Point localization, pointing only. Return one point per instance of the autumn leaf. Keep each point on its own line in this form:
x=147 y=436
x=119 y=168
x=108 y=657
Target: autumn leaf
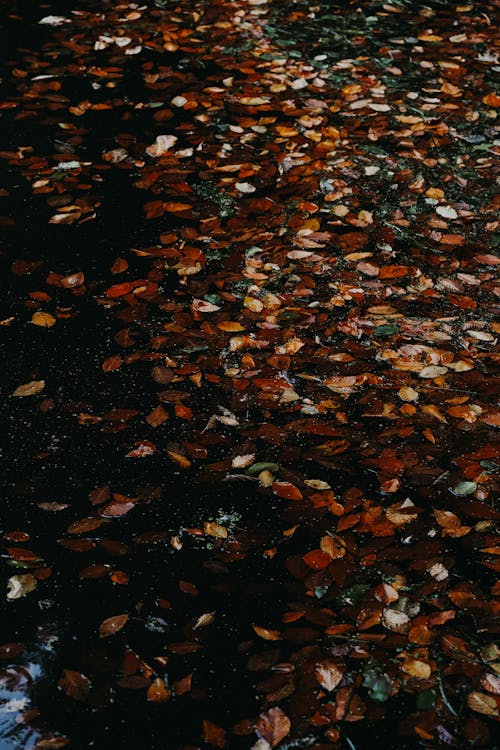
x=85 y=525
x=21 y=585
x=42 y=319
x=328 y=675
x=287 y=491
x=266 y=634
x=157 y=691
x=162 y=145
x=273 y=726
x=30 y=389
x=112 y=625
x=213 y=734
x=482 y=703
x=75 y=684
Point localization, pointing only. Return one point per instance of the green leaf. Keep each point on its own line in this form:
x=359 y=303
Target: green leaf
x=464 y=488
x=262 y=466
x=385 y=330
x=213 y=298
x=426 y=700
x=379 y=685
x=353 y=594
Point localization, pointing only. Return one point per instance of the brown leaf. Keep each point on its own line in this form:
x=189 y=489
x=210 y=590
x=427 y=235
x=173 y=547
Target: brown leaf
x=273 y=726
x=73 y=280
x=85 y=525
x=213 y=734
x=482 y=703
x=75 y=684
x=52 y=743
x=116 y=510
x=20 y=585
x=30 y=389
x=112 y=625
x=11 y=650
x=332 y=546
x=157 y=416
x=113 y=363
x=328 y=674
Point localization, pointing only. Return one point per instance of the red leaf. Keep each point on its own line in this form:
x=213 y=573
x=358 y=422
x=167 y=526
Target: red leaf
x=287 y=491
x=317 y=559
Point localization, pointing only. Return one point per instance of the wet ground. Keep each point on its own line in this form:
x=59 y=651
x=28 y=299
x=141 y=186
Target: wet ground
x=247 y=323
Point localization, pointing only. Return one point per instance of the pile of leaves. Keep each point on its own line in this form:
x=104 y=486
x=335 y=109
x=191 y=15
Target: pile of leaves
x=250 y=251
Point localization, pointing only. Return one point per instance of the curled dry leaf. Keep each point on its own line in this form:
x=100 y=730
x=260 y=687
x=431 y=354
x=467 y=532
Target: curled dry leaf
x=20 y=585
x=266 y=634
x=394 y=620
x=215 y=529
x=43 y=319
x=73 y=280
x=162 y=145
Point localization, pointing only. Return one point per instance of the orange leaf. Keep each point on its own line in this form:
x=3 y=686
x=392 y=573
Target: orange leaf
x=317 y=559
x=157 y=692
x=267 y=635
x=287 y=491
x=393 y=272
x=230 y=326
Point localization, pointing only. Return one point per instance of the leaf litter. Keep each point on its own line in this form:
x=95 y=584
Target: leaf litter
x=259 y=343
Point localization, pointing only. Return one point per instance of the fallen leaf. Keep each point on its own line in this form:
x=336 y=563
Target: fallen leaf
x=30 y=389
x=112 y=625
x=328 y=675
x=75 y=684
x=482 y=703
x=21 y=585
x=273 y=726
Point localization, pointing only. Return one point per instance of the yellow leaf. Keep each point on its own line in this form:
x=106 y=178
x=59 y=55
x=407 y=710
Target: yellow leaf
x=255 y=305
x=417 y=668
x=30 y=389
x=43 y=319
x=482 y=703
